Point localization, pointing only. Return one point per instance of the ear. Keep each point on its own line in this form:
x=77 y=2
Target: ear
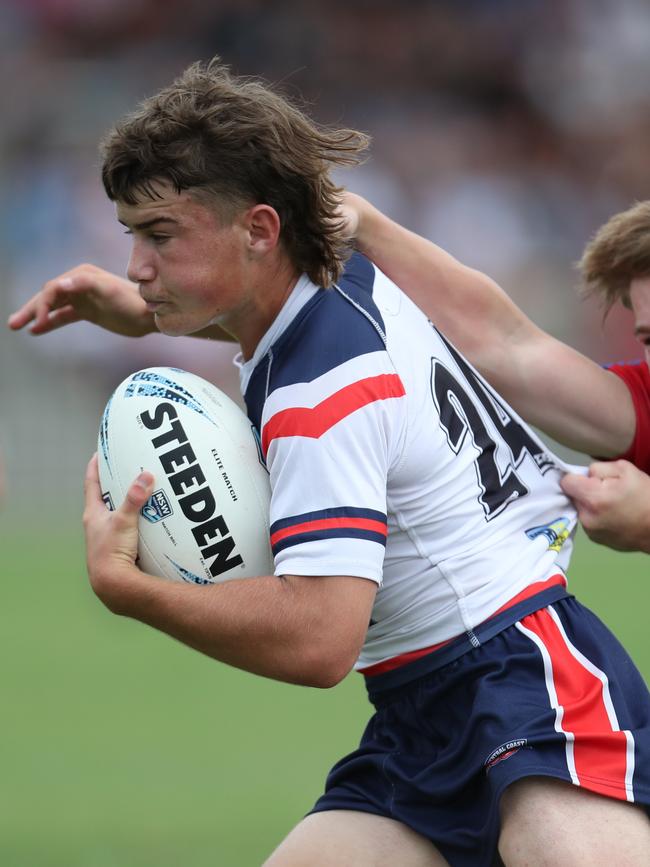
x=263 y=226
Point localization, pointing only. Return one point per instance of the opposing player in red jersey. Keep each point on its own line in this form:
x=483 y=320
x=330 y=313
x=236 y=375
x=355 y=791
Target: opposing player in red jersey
x=616 y=266
x=551 y=385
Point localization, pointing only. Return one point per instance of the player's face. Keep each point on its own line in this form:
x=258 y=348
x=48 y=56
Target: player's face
x=191 y=268
x=640 y=300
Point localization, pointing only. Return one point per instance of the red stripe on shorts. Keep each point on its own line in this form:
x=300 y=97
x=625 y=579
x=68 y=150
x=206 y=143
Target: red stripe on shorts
x=579 y=691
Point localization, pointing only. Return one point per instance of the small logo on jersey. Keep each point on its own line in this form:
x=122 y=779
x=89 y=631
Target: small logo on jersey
x=258 y=445
x=556 y=532
x=504 y=752
x=157 y=508
x=108 y=501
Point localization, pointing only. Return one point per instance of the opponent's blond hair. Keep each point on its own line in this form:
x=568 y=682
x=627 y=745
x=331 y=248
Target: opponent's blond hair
x=618 y=252
x=236 y=142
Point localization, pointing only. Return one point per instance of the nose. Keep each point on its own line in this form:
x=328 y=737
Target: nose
x=140 y=268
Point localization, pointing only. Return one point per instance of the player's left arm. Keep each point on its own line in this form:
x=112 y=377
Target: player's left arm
x=304 y=630
x=613 y=503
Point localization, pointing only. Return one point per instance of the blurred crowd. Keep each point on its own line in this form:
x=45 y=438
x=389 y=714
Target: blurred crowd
x=506 y=130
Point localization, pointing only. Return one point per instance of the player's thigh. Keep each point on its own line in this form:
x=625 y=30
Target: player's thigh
x=549 y=822
x=345 y=838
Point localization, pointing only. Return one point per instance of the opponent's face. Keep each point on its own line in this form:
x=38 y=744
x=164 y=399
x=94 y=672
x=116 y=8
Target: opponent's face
x=640 y=301
x=191 y=268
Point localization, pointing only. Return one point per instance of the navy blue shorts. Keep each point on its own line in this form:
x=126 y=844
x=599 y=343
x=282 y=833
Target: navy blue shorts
x=554 y=694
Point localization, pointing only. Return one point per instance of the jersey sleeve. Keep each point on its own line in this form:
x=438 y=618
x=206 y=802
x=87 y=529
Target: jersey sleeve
x=637 y=379
x=329 y=445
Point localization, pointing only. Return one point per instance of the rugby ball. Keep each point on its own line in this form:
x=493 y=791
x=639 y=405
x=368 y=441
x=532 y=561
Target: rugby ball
x=208 y=517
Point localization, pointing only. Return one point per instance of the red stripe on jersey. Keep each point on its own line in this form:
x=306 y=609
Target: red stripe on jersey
x=402 y=659
x=328 y=524
x=599 y=747
x=409 y=656
x=314 y=422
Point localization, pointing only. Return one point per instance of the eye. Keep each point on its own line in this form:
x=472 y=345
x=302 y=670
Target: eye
x=159 y=239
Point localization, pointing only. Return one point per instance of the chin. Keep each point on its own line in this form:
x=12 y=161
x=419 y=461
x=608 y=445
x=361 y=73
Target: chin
x=166 y=325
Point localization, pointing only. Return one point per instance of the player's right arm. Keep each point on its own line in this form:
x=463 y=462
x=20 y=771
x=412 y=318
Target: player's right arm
x=91 y=294
x=550 y=384
x=299 y=629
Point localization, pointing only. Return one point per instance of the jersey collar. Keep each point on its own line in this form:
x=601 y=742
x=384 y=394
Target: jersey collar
x=302 y=293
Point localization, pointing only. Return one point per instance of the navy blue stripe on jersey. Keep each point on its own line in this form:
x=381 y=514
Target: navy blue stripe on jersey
x=256 y=393
x=341 y=512
x=343 y=522
x=330 y=330
x=333 y=533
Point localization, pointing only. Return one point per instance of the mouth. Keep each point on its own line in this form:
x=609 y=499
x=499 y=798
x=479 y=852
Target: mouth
x=153 y=304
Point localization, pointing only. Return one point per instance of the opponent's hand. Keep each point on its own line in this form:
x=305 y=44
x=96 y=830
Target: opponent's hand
x=349 y=212
x=112 y=538
x=613 y=503
x=86 y=293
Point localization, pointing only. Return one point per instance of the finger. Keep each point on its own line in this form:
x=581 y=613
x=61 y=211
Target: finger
x=138 y=494
x=92 y=472
x=604 y=469
x=21 y=317
x=92 y=488
x=56 y=319
x=577 y=486
x=55 y=295
x=41 y=303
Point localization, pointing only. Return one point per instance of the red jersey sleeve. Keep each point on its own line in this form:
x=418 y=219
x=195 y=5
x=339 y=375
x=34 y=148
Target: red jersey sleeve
x=637 y=378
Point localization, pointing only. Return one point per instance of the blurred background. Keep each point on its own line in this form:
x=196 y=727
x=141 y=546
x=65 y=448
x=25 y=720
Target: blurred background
x=506 y=130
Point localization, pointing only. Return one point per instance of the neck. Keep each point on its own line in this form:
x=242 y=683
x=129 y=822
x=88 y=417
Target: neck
x=267 y=297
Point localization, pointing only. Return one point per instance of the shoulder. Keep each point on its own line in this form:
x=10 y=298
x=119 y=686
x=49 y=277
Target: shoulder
x=635 y=374
x=336 y=338
x=336 y=326
x=637 y=378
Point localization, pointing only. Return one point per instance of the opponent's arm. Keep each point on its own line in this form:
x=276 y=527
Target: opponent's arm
x=94 y=295
x=304 y=630
x=550 y=384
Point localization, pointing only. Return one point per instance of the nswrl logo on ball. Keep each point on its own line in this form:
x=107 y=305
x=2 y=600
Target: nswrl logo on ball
x=157 y=507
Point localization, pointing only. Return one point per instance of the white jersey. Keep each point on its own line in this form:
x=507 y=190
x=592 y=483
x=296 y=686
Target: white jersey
x=392 y=460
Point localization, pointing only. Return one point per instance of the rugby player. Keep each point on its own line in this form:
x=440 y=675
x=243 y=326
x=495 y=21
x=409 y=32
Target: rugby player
x=419 y=529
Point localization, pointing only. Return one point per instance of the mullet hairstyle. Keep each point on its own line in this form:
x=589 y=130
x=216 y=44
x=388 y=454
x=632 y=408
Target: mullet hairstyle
x=617 y=253
x=234 y=142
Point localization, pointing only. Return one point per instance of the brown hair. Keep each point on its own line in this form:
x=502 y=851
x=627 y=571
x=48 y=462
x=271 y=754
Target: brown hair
x=617 y=253
x=237 y=142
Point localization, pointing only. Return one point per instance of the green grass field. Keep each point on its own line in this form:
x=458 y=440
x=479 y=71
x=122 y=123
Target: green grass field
x=121 y=748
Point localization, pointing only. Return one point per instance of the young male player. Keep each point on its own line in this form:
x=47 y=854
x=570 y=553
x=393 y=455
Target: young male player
x=550 y=384
x=418 y=526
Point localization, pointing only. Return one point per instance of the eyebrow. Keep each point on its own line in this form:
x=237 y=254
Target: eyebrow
x=644 y=328
x=147 y=224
